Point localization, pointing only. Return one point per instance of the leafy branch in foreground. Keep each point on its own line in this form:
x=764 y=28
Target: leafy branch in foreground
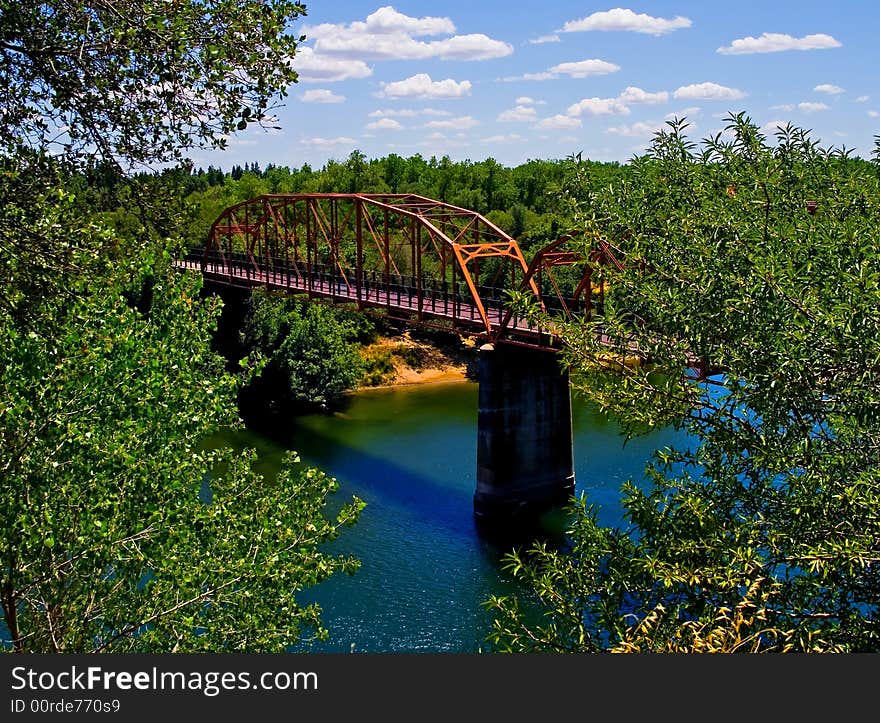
x=121 y=532
x=759 y=264
x=140 y=81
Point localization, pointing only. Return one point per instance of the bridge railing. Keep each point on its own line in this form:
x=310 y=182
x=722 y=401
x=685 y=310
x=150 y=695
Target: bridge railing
x=400 y=293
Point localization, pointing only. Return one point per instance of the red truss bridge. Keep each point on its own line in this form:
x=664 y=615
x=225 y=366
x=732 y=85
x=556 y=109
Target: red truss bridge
x=422 y=261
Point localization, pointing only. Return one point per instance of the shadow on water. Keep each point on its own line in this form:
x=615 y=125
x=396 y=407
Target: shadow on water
x=379 y=480
x=427 y=566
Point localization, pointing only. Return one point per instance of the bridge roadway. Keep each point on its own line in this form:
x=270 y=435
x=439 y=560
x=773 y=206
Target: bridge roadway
x=427 y=303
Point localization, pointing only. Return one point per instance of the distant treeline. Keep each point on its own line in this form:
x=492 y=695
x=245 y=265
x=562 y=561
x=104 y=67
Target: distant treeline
x=524 y=200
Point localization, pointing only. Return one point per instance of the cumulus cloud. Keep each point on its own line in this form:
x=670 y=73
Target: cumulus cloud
x=407 y=113
x=320 y=95
x=385 y=124
x=421 y=86
x=787 y=107
x=585 y=68
x=329 y=142
x=560 y=121
x=545 y=39
x=598 y=106
x=390 y=35
x=777 y=42
x=313 y=68
x=632 y=94
x=873 y=113
x=708 y=91
x=829 y=88
x=574 y=69
x=526 y=100
x=509 y=138
x=808 y=107
x=626 y=20
x=688 y=112
x=519 y=114
x=461 y=123
x=773 y=127
x=635 y=130
x=863 y=99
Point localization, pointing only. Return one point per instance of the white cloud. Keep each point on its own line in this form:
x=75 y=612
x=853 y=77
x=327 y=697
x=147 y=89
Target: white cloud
x=525 y=100
x=407 y=113
x=708 y=91
x=787 y=107
x=773 y=127
x=519 y=114
x=329 y=142
x=575 y=69
x=688 y=112
x=776 y=42
x=808 y=107
x=625 y=19
x=313 y=68
x=385 y=124
x=636 y=95
x=873 y=113
x=560 y=121
x=584 y=68
x=863 y=99
x=635 y=130
x=390 y=35
x=598 y=106
x=545 y=39
x=388 y=20
x=461 y=123
x=530 y=76
x=510 y=138
x=829 y=88
x=320 y=95
x=421 y=86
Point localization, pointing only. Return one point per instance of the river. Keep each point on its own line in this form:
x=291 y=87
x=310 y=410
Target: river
x=410 y=454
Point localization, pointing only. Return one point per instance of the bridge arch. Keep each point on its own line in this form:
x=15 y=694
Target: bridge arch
x=369 y=247
x=421 y=260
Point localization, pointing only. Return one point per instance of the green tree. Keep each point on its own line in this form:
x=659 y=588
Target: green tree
x=309 y=349
x=752 y=287
x=140 y=81
x=120 y=530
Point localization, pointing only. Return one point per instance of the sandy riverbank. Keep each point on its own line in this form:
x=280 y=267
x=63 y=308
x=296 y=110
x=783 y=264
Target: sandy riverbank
x=403 y=360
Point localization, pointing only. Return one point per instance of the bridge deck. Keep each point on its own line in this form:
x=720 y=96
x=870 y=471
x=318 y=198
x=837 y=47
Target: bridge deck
x=428 y=305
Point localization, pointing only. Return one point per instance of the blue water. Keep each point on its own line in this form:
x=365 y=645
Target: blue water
x=410 y=454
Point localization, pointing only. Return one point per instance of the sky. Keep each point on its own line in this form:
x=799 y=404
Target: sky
x=544 y=80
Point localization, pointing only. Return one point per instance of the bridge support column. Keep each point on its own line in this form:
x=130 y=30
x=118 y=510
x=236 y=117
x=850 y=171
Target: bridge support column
x=524 y=438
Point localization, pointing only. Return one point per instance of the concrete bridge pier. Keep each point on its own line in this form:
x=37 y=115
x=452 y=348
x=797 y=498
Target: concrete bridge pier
x=524 y=439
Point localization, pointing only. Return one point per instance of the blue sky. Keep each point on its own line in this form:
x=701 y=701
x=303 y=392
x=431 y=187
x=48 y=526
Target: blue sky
x=520 y=80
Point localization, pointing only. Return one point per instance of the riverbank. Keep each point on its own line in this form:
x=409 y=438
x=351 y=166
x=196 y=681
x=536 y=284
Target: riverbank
x=407 y=359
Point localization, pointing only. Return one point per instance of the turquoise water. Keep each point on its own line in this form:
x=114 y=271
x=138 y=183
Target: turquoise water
x=410 y=454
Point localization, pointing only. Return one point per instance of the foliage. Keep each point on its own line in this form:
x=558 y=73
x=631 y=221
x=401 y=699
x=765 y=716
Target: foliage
x=140 y=81
x=108 y=543
x=120 y=532
x=310 y=349
x=752 y=288
x=522 y=200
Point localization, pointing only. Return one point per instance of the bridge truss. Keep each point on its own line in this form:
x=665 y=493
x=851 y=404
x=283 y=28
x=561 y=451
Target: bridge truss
x=420 y=260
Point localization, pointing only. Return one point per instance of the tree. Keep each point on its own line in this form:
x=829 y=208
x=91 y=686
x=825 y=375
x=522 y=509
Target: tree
x=140 y=81
x=121 y=530
x=309 y=349
x=751 y=287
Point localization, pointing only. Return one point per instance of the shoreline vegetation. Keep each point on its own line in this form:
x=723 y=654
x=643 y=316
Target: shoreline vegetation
x=405 y=359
